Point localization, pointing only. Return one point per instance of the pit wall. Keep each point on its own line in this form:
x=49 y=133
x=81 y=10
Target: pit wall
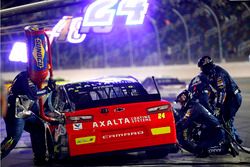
x=183 y=72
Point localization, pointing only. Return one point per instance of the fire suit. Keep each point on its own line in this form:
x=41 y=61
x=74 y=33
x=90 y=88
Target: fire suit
x=229 y=97
x=202 y=91
x=212 y=136
x=22 y=85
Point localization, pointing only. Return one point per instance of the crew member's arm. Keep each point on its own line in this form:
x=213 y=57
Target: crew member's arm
x=33 y=92
x=185 y=121
x=221 y=95
x=40 y=92
x=204 y=100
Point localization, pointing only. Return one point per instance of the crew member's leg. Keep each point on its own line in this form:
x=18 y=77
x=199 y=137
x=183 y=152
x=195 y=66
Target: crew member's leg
x=14 y=129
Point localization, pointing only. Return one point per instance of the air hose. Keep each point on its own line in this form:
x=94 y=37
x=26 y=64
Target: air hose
x=225 y=127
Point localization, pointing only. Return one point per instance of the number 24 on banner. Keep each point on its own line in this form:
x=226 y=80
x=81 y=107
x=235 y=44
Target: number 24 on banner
x=99 y=16
x=102 y=12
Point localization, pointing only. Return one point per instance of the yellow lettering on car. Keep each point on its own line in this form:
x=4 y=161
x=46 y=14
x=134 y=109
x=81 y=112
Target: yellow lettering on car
x=85 y=140
x=161 y=115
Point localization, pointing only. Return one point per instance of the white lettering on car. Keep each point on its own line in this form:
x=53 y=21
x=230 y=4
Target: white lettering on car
x=127 y=121
x=102 y=123
x=115 y=123
x=95 y=125
x=121 y=121
x=125 y=134
x=109 y=123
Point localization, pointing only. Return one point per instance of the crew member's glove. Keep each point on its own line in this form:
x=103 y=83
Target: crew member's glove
x=22 y=107
x=228 y=125
x=48 y=89
x=52 y=84
x=217 y=112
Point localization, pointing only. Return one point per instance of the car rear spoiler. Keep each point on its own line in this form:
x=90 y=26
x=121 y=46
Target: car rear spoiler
x=156 y=85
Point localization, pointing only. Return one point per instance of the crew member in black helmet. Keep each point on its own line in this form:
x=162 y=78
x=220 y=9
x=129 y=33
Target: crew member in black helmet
x=228 y=94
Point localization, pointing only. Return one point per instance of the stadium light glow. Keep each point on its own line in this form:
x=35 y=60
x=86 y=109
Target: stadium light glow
x=19 y=52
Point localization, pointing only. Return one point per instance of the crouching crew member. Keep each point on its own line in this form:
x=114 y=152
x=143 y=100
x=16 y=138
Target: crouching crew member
x=211 y=139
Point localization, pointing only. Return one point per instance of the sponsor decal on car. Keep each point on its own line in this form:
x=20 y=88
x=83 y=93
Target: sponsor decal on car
x=77 y=126
x=161 y=116
x=124 y=134
x=161 y=130
x=121 y=121
x=85 y=140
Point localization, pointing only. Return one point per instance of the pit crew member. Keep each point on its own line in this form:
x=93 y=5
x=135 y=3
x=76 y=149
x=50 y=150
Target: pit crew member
x=211 y=138
x=202 y=91
x=228 y=94
x=23 y=86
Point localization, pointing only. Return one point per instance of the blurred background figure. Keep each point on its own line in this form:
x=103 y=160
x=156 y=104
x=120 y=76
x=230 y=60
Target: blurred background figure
x=3 y=98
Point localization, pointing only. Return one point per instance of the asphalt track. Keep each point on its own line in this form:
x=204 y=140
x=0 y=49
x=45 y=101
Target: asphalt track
x=242 y=119
x=22 y=155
